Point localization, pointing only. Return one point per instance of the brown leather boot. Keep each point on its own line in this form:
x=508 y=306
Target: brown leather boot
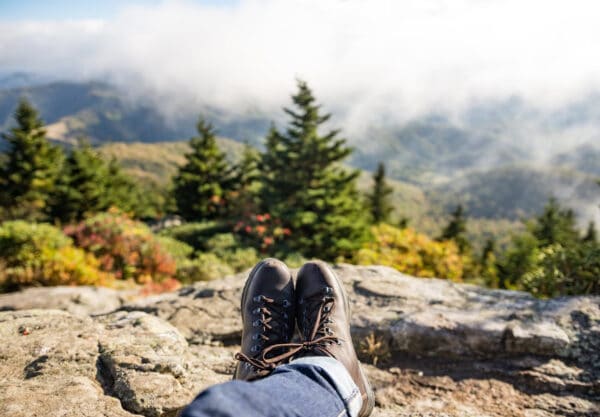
x=268 y=312
x=323 y=317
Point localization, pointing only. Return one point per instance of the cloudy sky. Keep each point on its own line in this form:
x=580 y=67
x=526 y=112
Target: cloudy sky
x=379 y=56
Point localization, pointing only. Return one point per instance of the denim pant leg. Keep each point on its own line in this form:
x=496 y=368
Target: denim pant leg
x=308 y=387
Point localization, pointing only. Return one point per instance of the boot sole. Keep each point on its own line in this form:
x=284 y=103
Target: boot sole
x=369 y=401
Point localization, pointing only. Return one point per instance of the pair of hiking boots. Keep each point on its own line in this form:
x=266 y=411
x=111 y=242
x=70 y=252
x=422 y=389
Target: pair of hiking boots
x=271 y=307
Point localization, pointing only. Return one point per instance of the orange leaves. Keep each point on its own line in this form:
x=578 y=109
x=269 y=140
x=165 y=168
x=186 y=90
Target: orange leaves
x=123 y=247
x=261 y=231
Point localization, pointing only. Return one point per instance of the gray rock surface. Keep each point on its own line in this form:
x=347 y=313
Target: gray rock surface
x=442 y=349
x=76 y=300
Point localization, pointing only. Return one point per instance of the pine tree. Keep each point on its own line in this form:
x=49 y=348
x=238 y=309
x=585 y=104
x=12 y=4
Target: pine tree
x=82 y=188
x=246 y=183
x=591 y=234
x=126 y=194
x=379 y=198
x=305 y=187
x=203 y=184
x=33 y=164
x=89 y=184
x=555 y=225
x=488 y=265
x=456 y=230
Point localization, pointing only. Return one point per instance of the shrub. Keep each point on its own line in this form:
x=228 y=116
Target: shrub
x=227 y=248
x=40 y=254
x=294 y=260
x=560 y=270
x=21 y=243
x=262 y=232
x=412 y=253
x=179 y=251
x=195 y=234
x=205 y=267
x=124 y=247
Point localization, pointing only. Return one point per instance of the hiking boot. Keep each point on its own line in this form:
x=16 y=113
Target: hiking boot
x=268 y=312
x=323 y=317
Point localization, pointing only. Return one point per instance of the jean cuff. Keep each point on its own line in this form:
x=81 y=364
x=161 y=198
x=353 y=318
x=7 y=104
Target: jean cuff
x=341 y=380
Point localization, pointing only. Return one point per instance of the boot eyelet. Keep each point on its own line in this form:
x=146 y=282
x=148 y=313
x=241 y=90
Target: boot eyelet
x=255 y=336
x=257 y=298
x=256 y=323
x=255 y=348
x=285 y=316
x=286 y=304
x=256 y=311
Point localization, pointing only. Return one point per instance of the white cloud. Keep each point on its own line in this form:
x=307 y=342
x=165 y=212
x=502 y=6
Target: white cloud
x=388 y=58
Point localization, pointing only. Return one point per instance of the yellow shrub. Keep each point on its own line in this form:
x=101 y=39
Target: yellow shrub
x=63 y=266
x=412 y=253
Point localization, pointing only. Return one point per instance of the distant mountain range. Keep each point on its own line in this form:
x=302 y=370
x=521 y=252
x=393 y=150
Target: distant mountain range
x=500 y=159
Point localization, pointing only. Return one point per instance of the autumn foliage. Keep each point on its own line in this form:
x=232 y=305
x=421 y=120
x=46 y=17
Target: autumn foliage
x=124 y=247
x=412 y=253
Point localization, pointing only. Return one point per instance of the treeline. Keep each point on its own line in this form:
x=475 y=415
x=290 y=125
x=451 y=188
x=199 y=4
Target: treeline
x=294 y=199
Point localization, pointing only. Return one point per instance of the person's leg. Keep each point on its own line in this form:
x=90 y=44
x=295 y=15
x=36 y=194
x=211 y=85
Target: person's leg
x=325 y=378
x=307 y=387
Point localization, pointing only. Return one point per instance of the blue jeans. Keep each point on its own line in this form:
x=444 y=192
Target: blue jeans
x=314 y=386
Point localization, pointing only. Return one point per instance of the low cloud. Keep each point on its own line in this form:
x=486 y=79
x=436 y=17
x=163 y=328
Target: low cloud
x=368 y=60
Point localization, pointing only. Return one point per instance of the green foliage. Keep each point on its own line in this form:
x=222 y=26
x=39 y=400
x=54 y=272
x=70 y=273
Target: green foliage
x=178 y=250
x=555 y=225
x=88 y=185
x=488 y=270
x=560 y=270
x=40 y=254
x=228 y=248
x=265 y=233
x=456 y=230
x=82 y=188
x=518 y=260
x=22 y=242
x=304 y=186
x=124 y=247
x=205 y=267
x=245 y=197
x=28 y=176
x=412 y=253
x=195 y=234
x=203 y=184
x=379 y=198
x=591 y=234
x=550 y=258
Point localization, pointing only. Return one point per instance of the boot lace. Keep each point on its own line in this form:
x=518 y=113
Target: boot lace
x=267 y=312
x=318 y=338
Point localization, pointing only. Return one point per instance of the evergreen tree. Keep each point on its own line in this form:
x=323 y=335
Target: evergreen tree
x=82 y=186
x=555 y=225
x=591 y=235
x=456 y=230
x=488 y=266
x=379 y=198
x=122 y=192
x=247 y=184
x=305 y=187
x=202 y=185
x=550 y=258
x=33 y=164
x=88 y=184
